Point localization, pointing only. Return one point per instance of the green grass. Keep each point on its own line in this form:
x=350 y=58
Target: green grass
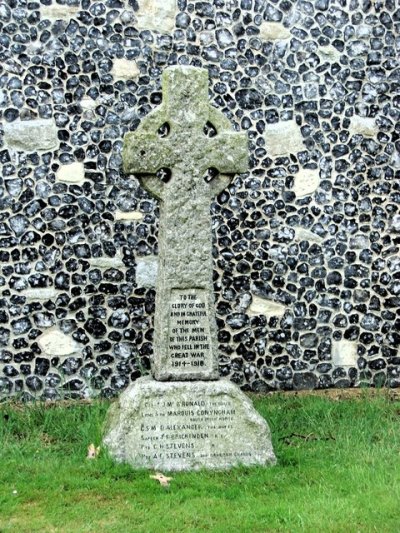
x=338 y=471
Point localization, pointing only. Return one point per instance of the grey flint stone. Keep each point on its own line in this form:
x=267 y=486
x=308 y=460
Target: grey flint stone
x=187 y=426
x=31 y=135
x=185 y=340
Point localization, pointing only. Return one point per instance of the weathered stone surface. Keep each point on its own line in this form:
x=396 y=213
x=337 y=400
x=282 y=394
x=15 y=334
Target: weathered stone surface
x=31 y=135
x=303 y=234
x=344 y=353
x=55 y=342
x=363 y=126
x=41 y=293
x=283 y=138
x=146 y=271
x=187 y=426
x=274 y=31
x=59 y=12
x=185 y=345
x=262 y=306
x=88 y=104
x=124 y=69
x=128 y=216
x=73 y=173
x=339 y=64
x=329 y=53
x=156 y=15
x=107 y=262
x=306 y=181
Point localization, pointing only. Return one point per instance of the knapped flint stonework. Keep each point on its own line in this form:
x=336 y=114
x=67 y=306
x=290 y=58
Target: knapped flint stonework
x=187 y=426
x=329 y=258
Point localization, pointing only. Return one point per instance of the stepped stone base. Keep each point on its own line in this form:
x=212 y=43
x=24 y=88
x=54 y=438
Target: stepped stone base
x=187 y=426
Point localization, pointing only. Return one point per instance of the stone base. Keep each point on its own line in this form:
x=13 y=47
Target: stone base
x=187 y=426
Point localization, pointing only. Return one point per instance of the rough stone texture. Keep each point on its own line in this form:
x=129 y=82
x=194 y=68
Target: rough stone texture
x=72 y=173
x=57 y=343
x=123 y=69
x=41 y=294
x=329 y=53
x=273 y=31
x=156 y=15
x=187 y=426
x=363 y=126
x=31 y=135
x=88 y=104
x=261 y=306
x=303 y=234
x=306 y=181
x=59 y=12
x=344 y=353
x=340 y=63
x=146 y=271
x=107 y=262
x=283 y=138
x=185 y=343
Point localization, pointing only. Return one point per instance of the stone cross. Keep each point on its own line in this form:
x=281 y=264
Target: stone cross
x=182 y=420
x=172 y=143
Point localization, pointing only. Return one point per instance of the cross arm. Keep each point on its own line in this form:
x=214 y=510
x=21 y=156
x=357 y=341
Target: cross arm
x=219 y=184
x=228 y=153
x=145 y=153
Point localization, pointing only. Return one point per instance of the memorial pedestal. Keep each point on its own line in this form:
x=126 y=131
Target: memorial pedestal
x=187 y=426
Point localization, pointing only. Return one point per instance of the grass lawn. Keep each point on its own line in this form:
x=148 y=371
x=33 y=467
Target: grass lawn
x=338 y=471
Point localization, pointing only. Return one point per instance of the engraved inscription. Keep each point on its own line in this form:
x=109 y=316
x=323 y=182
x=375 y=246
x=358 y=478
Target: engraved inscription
x=181 y=426
x=188 y=429
x=189 y=343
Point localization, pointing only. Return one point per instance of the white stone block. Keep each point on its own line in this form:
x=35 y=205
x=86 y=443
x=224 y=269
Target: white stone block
x=306 y=181
x=363 y=126
x=274 y=31
x=56 y=343
x=344 y=353
x=146 y=271
x=303 y=234
x=128 y=216
x=283 y=138
x=329 y=53
x=41 y=294
x=59 y=12
x=157 y=15
x=88 y=104
x=31 y=135
x=262 y=306
x=107 y=262
x=125 y=69
x=72 y=173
